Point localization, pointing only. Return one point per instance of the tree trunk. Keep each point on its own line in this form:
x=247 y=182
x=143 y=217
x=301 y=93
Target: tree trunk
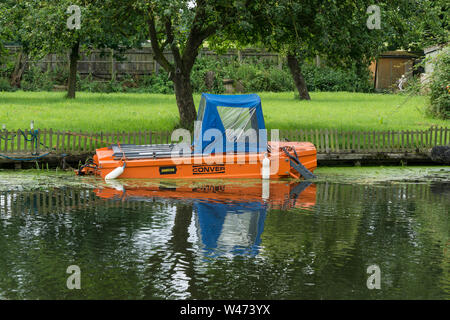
x=19 y=69
x=72 y=83
x=299 y=81
x=185 y=100
x=180 y=69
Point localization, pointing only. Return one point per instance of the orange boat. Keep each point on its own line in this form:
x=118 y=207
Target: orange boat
x=230 y=141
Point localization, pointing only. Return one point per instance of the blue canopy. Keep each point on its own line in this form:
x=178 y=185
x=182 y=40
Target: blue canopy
x=230 y=123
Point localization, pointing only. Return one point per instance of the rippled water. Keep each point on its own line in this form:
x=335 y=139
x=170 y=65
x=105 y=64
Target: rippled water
x=221 y=240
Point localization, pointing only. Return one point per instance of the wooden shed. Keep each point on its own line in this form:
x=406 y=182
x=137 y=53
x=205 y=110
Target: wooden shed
x=389 y=68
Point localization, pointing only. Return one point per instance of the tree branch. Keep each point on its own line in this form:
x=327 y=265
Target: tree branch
x=197 y=35
x=173 y=46
x=157 y=51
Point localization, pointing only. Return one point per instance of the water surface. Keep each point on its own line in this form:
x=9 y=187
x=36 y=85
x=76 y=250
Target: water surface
x=227 y=240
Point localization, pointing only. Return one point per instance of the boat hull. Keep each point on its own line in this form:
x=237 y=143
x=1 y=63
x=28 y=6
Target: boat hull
x=217 y=166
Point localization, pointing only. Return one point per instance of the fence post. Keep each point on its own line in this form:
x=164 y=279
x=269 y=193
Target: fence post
x=12 y=140
x=113 y=69
x=38 y=141
x=25 y=140
x=19 y=144
x=50 y=138
x=43 y=133
x=57 y=141
x=331 y=140
x=67 y=147
x=336 y=140
x=435 y=136
x=320 y=139
x=446 y=135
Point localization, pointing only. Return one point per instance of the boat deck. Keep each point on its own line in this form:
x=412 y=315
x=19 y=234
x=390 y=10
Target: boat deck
x=149 y=151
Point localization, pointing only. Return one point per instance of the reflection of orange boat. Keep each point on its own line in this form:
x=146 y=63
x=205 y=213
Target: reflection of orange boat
x=230 y=141
x=276 y=194
x=229 y=217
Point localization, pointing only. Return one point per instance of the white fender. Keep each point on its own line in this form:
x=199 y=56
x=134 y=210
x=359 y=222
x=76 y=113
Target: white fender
x=115 y=173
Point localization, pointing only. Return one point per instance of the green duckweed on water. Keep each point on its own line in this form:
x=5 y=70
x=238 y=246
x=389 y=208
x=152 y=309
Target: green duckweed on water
x=40 y=179
x=380 y=174
x=28 y=180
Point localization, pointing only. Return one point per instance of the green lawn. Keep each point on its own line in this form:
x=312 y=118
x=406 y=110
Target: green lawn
x=134 y=112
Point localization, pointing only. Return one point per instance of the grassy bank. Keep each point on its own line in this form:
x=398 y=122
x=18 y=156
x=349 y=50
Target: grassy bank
x=130 y=112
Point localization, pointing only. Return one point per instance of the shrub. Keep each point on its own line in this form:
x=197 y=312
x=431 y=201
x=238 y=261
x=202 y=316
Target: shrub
x=5 y=85
x=90 y=85
x=202 y=66
x=279 y=80
x=36 y=80
x=413 y=86
x=254 y=76
x=87 y=84
x=259 y=77
x=156 y=83
x=439 y=105
x=329 y=79
x=60 y=75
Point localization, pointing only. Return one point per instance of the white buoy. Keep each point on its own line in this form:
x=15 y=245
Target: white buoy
x=265 y=167
x=115 y=173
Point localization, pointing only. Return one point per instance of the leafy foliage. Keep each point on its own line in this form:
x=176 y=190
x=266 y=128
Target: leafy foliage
x=415 y=24
x=41 y=26
x=182 y=26
x=4 y=85
x=104 y=24
x=253 y=76
x=36 y=80
x=440 y=86
x=325 y=78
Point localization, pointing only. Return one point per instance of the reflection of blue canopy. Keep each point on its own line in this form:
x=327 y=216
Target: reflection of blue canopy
x=237 y=119
x=230 y=227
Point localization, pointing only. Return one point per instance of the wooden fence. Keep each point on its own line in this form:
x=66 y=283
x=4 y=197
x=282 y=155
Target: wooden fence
x=107 y=64
x=389 y=141
x=327 y=141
